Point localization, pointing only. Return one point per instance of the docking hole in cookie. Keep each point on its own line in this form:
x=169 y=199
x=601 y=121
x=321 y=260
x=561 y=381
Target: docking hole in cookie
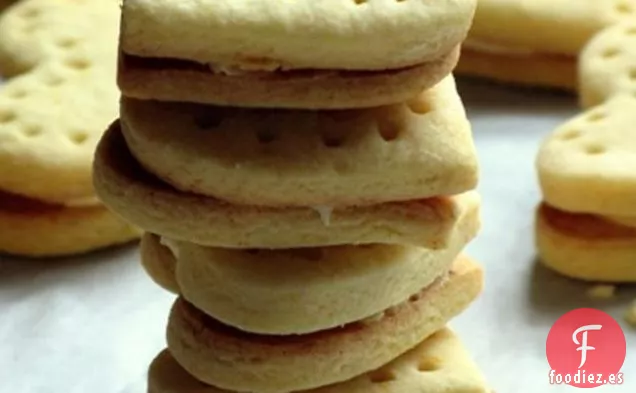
x=382 y=376
x=429 y=364
x=326 y=158
x=593 y=154
x=58 y=100
x=608 y=64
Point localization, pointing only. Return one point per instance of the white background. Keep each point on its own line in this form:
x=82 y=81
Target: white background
x=92 y=325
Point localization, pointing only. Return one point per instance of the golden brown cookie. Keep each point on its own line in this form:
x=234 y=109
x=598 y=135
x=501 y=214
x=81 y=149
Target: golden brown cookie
x=37 y=229
x=536 y=42
x=173 y=80
x=585 y=246
x=53 y=113
x=607 y=65
x=230 y=359
x=530 y=70
x=419 y=149
x=157 y=208
x=299 y=291
x=440 y=364
x=245 y=53
x=585 y=165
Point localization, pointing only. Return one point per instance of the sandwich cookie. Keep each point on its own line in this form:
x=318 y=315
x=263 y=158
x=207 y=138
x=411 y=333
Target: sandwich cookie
x=158 y=208
x=586 y=225
x=535 y=43
x=237 y=361
x=440 y=364
x=297 y=158
x=52 y=115
x=519 y=68
x=326 y=55
x=586 y=246
x=607 y=65
x=36 y=229
x=53 y=110
x=300 y=291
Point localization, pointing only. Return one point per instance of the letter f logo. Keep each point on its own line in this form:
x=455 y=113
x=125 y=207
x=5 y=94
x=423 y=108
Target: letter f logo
x=583 y=344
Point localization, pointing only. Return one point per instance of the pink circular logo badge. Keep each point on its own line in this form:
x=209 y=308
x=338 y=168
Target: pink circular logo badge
x=586 y=348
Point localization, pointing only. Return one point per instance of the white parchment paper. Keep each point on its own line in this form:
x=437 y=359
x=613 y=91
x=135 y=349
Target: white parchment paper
x=93 y=324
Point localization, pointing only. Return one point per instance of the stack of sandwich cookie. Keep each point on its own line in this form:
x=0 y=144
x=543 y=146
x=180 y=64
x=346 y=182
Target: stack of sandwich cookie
x=307 y=199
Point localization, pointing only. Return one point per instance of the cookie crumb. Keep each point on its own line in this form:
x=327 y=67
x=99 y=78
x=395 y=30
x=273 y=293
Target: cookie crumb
x=602 y=292
x=630 y=314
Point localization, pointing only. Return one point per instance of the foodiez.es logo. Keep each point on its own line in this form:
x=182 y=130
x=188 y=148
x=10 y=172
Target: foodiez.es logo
x=586 y=348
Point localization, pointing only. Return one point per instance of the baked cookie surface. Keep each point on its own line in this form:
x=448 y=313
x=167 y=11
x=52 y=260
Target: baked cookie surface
x=242 y=362
x=300 y=291
x=587 y=164
x=31 y=228
x=607 y=65
x=330 y=34
x=284 y=158
x=586 y=225
x=128 y=189
x=536 y=42
x=53 y=113
x=440 y=364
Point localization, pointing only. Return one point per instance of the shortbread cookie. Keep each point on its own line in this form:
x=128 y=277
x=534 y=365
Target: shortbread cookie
x=158 y=262
x=302 y=89
x=440 y=364
x=34 y=229
x=301 y=291
x=529 y=69
x=587 y=164
x=546 y=26
x=51 y=117
x=154 y=206
x=302 y=54
x=230 y=359
x=327 y=35
x=535 y=42
x=283 y=158
x=608 y=65
x=585 y=246
x=586 y=228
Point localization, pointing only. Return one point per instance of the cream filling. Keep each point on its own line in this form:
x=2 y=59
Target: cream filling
x=325 y=213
